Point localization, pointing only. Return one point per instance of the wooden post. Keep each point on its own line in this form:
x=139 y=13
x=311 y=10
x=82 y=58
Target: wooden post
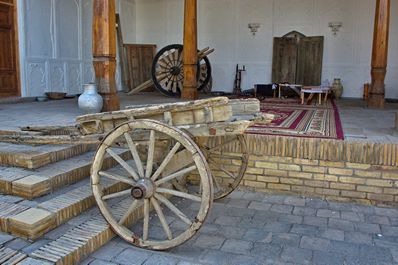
x=190 y=51
x=104 y=52
x=379 y=55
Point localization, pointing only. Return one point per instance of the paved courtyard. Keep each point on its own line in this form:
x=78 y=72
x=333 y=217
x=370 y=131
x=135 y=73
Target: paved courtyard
x=251 y=228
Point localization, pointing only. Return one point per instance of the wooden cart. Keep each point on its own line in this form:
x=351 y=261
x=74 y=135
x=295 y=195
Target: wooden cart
x=173 y=151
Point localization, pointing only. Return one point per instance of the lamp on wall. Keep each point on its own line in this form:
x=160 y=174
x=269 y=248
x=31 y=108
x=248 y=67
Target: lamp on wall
x=335 y=27
x=254 y=28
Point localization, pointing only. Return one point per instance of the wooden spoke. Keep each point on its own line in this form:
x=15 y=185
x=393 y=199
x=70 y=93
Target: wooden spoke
x=165 y=58
x=116 y=177
x=116 y=195
x=179 y=194
x=171 y=58
x=176 y=175
x=169 y=84
x=162 y=218
x=134 y=153
x=173 y=208
x=215 y=182
x=130 y=210
x=166 y=161
x=164 y=65
x=176 y=56
x=146 y=220
x=175 y=84
x=151 y=153
x=123 y=163
x=180 y=85
x=218 y=166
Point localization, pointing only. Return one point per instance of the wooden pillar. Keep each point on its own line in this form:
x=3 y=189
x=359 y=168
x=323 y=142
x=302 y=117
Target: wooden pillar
x=104 y=52
x=190 y=51
x=379 y=55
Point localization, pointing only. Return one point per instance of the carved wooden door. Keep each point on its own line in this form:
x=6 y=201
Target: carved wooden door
x=284 y=61
x=8 y=50
x=309 y=63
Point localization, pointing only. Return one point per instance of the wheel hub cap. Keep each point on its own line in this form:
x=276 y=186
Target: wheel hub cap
x=144 y=189
x=175 y=70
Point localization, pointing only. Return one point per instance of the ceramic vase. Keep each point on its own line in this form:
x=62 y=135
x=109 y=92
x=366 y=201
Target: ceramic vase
x=90 y=101
x=337 y=88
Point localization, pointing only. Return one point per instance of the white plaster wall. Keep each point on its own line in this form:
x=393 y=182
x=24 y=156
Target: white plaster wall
x=55 y=43
x=223 y=25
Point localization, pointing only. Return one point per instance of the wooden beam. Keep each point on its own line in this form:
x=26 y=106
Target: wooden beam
x=104 y=52
x=379 y=54
x=190 y=51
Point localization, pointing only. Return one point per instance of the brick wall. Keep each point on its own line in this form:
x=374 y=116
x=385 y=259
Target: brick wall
x=342 y=181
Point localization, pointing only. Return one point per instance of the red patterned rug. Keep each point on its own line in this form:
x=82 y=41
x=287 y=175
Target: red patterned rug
x=294 y=119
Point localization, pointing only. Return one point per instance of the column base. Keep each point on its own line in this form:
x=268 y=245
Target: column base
x=111 y=102
x=190 y=93
x=376 y=101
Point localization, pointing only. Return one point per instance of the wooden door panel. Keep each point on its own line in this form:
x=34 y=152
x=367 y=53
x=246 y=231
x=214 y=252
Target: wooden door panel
x=5 y=16
x=139 y=61
x=284 y=60
x=310 y=57
x=8 y=51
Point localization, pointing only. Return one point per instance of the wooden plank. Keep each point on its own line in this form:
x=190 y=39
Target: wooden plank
x=122 y=55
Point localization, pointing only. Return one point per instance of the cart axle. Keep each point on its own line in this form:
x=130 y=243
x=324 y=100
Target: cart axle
x=144 y=189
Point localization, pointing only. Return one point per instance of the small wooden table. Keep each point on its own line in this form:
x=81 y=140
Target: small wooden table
x=312 y=90
x=296 y=88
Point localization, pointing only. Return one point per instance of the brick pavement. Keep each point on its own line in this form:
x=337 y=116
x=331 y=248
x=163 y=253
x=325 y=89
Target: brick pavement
x=251 y=228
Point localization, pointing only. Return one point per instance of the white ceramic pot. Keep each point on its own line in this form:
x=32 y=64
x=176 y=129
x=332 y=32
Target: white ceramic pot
x=90 y=101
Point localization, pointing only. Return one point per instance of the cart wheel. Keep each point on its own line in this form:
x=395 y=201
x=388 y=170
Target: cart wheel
x=226 y=175
x=148 y=198
x=168 y=74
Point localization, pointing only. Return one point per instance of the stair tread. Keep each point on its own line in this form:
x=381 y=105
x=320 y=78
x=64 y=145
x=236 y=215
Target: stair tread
x=48 y=178
x=63 y=205
x=31 y=157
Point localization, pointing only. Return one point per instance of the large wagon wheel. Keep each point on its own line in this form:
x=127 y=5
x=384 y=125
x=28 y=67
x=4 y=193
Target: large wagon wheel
x=168 y=74
x=147 y=188
x=228 y=160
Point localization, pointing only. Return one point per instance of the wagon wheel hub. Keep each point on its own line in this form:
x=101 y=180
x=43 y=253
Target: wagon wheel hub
x=175 y=70
x=144 y=189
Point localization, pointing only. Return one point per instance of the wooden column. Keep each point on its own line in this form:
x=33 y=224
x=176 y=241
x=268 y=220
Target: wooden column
x=190 y=51
x=104 y=52
x=380 y=53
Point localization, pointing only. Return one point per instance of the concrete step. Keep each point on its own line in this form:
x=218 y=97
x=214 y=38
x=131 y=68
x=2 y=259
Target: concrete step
x=32 y=157
x=30 y=184
x=32 y=219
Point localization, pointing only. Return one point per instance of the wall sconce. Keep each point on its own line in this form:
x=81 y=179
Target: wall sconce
x=335 y=27
x=254 y=28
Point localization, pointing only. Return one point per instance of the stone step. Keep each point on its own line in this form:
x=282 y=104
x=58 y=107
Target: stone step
x=32 y=157
x=72 y=242
x=83 y=239
x=30 y=184
x=51 y=211
x=9 y=256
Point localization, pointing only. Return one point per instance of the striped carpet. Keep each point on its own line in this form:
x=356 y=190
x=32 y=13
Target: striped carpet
x=294 y=119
